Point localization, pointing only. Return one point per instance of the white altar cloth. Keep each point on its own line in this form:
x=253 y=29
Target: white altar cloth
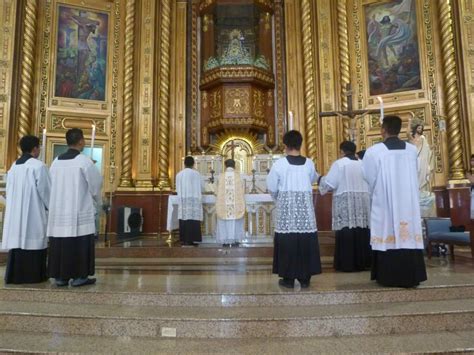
x=253 y=202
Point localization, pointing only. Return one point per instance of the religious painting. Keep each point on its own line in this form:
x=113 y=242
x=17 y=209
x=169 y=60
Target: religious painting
x=81 y=54
x=392 y=47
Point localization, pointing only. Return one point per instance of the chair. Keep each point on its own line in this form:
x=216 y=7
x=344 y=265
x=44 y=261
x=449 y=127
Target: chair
x=437 y=231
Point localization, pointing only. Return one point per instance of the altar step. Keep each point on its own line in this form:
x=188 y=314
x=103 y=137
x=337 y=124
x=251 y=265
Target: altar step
x=154 y=247
x=456 y=342
x=223 y=264
x=375 y=311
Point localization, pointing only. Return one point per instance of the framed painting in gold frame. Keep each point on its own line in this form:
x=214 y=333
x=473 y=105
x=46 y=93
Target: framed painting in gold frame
x=81 y=55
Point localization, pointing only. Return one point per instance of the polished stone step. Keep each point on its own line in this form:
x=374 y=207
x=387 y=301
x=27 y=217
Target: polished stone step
x=238 y=322
x=248 y=299
x=147 y=247
x=422 y=343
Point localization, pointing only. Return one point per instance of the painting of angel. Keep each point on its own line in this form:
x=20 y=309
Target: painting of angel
x=81 y=63
x=392 y=43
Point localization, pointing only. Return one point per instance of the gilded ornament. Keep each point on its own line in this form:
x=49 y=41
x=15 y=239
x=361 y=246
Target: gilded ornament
x=27 y=70
x=456 y=169
x=308 y=73
x=127 y=130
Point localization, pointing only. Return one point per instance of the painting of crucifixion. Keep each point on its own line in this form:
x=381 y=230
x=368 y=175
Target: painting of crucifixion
x=81 y=63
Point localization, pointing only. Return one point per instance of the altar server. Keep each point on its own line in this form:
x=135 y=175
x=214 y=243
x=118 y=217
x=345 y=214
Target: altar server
x=390 y=168
x=230 y=206
x=75 y=194
x=189 y=187
x=296 y=246
x=350 y=210
x=24 y=230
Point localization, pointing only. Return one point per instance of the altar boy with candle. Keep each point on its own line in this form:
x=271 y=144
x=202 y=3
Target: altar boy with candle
x=24 y=231
x=75 y=193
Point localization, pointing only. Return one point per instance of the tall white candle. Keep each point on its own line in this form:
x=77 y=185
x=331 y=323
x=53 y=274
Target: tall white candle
x=290 y=120
x=379 y=98
x=250 y=223
x=92 y=140
x=254 y=163
x=43 y=146
x=212 y=163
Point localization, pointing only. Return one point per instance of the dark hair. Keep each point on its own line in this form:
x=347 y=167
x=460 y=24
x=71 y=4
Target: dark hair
x=414 y=129
x=28 y=143
x=229 y=163
x=189 y=162
x=293 y=139
x=74 y=136
x=361 y=154
x=348 y=147
x=392 y=124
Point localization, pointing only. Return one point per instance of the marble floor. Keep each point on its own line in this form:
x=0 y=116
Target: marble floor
x=153 y=284
x=175 y=276
x=459 y=342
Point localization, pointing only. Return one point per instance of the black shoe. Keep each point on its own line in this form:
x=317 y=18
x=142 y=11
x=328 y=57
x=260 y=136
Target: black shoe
x=61 y=283
x=88 y=281
x=287 y=283
x=236 y=244
x=304 y=283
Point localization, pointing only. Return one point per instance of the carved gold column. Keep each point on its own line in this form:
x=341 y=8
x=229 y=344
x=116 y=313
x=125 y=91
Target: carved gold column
x=294 y=65
x=308 y=73
x=456 y=171
x=178 y=89
x=163 y=139
x=8 y=10
x=127 y=139
x=143 y=148
x=344 y=64
x=27 y=70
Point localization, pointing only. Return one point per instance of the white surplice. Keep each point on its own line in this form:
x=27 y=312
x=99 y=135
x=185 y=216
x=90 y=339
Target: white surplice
x=291 y=188
x=75 y=193
x=189 y=188
x=395 y=221
x=28 y=189
x=351 y=198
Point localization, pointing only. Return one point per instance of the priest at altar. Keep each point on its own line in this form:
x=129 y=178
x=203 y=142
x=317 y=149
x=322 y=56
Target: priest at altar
x=230 y=206
x=28 y=189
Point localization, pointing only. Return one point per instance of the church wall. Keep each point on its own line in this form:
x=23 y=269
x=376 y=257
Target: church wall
x=424 y=103
x=465 y=21
x=8 y=36
x=62 y=100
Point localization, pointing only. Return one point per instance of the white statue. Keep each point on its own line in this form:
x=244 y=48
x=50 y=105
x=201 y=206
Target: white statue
x=425 y=167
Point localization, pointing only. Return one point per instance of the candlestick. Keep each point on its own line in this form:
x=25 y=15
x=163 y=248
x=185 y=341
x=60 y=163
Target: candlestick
x=43 y=146
x=379 y=98
x=290 y=120
x=92 y=140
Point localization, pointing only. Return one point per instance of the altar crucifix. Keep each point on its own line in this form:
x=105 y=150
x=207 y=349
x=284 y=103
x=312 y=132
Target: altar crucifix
x=351 y=113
